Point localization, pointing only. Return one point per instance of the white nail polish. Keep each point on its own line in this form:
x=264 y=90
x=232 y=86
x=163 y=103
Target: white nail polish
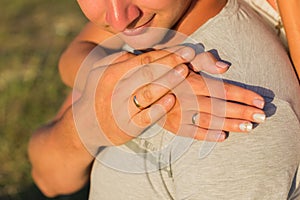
x=247 y=126
x=259 y=117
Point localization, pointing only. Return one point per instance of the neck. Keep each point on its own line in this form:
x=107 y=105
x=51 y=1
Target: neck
x=199 y=13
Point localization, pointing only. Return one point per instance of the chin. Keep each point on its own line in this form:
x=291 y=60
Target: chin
x=150 y=38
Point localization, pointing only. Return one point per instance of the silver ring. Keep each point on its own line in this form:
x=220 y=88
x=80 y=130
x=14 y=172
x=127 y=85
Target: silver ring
x=194 y=118
x=136 y=103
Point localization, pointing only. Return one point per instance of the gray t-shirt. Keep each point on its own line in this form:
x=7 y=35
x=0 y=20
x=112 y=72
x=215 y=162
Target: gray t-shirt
x=259 y=165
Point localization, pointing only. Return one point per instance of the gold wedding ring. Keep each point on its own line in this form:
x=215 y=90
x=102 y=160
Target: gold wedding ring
x=136 y=103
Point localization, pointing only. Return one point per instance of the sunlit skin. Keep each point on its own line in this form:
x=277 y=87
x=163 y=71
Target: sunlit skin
x=273 y=4
x=289 y=11
x=131 y=18
x=69 y=166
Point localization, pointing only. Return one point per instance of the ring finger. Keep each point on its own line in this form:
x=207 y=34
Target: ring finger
x=145 y=96
x=211 y=122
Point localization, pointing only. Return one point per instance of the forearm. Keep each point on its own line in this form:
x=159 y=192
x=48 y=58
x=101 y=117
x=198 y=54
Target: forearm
x=72 y=59
x=290 y=15
x=60 y=162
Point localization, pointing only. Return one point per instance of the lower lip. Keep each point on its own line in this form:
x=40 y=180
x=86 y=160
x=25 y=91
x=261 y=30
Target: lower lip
x=139 y=30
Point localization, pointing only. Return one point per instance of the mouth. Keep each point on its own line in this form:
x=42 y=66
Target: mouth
x=139 y=29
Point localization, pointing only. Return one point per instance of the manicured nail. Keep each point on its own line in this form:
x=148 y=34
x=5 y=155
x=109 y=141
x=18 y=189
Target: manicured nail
x=222 y=65
x=259 y=103
x=259 y=117
x=168 y=100
x=181 y=70
x=220 y=136
x=247 y=126
x=187 y=53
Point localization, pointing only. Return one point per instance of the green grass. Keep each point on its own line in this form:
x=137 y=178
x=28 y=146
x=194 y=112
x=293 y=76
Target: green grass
x=33 y=34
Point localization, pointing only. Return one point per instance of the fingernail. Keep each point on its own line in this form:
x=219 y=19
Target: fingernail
x=168 y=100
x=259 y=103
x=220 y=136
x=181 y=70
x=247 y=126
x=187 y=53
x=258 y=117
x=222 y=65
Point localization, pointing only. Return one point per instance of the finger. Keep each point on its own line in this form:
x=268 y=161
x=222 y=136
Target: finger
x=139 y=70
x=208 y=121
x=210 y=135
x=206 y=61
x=216 y=88
x=126 y=81
x=150 y=93
x=113 y=59
x=243 y=95
x=170 y=57
x=202 y=133
x=145 y=76
x=230 y=110
x=175 y=54
x=152 y=114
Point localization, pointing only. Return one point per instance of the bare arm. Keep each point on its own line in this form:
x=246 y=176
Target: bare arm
x=60 y=163
x=79 y=48
x=60 y=159
x=289 y=11
x=61 y=153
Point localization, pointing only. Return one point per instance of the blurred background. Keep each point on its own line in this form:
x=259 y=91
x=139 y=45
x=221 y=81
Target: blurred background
x=33 y=34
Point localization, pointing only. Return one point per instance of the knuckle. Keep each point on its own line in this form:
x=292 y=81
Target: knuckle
x=202 y=60
x=147 y=95
x=206 y=55
x=218 y=107
x=206 y=59
x=245 y=112
x=204 y=120
x=147 y=73
x=210 y=58
x=145 y=59
x=145 y=119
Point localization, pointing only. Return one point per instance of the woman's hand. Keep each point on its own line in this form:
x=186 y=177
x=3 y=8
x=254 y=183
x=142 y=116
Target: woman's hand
x=213 y=109
x=108 y=96
x=125 y=97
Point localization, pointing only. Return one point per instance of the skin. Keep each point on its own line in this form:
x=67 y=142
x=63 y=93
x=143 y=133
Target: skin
x=98 y=30
x=128 y=17
x=289 y=12
x=61 y=140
